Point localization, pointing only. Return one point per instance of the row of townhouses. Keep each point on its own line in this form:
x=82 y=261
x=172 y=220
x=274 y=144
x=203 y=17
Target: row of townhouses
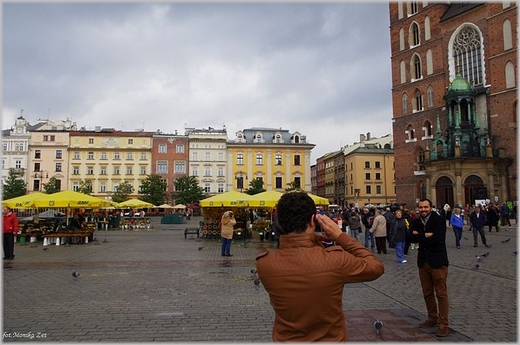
x=108 y=157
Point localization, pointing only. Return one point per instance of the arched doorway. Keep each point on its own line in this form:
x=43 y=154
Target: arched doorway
x=444 y=191
x=474 y=189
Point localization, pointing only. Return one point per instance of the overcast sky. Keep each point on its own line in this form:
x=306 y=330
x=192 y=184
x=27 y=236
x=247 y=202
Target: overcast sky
x=320 y=69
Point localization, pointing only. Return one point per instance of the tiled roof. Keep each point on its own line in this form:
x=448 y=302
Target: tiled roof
x=459 y=7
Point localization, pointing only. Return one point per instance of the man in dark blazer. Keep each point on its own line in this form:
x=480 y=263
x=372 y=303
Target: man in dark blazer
x=478 y=219
x=429 y=230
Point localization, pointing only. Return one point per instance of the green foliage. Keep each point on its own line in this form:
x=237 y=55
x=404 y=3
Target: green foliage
x=53 y=186
x=187 y=190
x=13 y=187
x=291 y=187
x=122 y=192
x=85 y=187
x=255 y=186
x=153 y=190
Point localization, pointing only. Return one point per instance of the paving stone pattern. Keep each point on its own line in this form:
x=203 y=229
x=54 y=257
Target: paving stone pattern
x=154 y=285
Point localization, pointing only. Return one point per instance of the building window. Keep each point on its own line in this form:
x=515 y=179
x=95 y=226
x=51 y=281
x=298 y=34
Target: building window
x=298 y=182
x=129 y=155
x=467 y=54
x=143 y=156
x=430 y=96
x=195 y=171
x=410 y=134
x=37 y=154
x=220 y=172
x=207 y=188
x=91 y=140
x=278 y=159
x=180 y=167
x=207 y=171
x=418 y=101
x=510 y=75
x=378 y=176
x=162 y=148
x=416 y=68
x=367 y=176
x=278 y=182
x=36 y=167
x=402 y=70
x=180 y=148
x=117 y=156
x=207 y=156
x=58 y=154
x=367 y=165
x=240 y=159
x=220 y=156
x=296 y=159
x=413 y=7
x=429 y=62
x=115 y=186
x=507 y=34
x=129 y=170
x=130 y=141
x=103 y=170
x=220 y=188
x=103 y=155
x=162 y=167
x=75 y=170
x=415 y=34
x=427 y=130
x=90 y=155
x=195 y=156
x=18 y=164
x=142 y=170
x=90 y=170
x=378 y=165
x=259 y=159
x=102 y=187
x=378 y=189
x=58 y=167
x=405 y=103
x=240 y=182
x=116 y=171
x=75 y=186
x=368 y=190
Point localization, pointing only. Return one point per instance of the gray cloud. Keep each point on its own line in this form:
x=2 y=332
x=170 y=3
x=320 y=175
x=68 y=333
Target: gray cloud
x=321 y=69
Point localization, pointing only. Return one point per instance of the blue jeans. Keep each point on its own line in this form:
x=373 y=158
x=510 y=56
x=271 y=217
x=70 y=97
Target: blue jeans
x=369 y=235
x=399 y=251
x=226 y=246
x=458 y=235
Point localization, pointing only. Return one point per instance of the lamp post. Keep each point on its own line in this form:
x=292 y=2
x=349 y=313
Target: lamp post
x=38 y=175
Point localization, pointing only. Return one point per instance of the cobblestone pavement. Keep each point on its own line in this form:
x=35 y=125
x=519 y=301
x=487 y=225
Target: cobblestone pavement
x=154 y=285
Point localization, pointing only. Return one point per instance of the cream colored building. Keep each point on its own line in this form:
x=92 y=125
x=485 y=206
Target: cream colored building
x=109 y=157
x=207 y=159
x=276 y=156
x=369 y=171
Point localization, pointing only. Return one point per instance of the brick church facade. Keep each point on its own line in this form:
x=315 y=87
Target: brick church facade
x=454 y=94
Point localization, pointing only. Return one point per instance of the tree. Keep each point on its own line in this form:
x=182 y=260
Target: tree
x=122 y=192
x=153 y=190
x=85 y=187
x=255 y=186
x=187 y=190
x=53 y=186
x=291 y=187
x=13 y=186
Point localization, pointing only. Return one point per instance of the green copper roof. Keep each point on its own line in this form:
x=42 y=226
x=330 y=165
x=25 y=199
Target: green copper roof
x=460 y=84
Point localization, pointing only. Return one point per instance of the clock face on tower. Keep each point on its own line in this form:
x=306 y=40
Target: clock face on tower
x=18 y=130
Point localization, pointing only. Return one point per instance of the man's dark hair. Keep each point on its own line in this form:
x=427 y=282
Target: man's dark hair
x=295 y=210
x=429 y=201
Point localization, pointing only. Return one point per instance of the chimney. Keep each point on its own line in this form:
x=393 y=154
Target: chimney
x=98 y=129
x=368 y=135
x=361 y=137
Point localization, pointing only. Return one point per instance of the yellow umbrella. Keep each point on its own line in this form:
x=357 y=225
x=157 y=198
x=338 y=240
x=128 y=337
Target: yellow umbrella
x=135 y=203
x=231 y=198
x=69 y=198
x=24 y=201
x=265 y=199
x=318 y=200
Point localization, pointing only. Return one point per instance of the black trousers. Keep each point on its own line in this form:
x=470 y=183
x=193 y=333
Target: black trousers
x=381 y=244
x=8 y=245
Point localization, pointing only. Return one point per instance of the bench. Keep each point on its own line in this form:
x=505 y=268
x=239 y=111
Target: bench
x=192 y=231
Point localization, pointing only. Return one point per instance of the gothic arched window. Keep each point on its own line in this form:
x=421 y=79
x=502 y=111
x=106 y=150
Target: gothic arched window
x=467 y=54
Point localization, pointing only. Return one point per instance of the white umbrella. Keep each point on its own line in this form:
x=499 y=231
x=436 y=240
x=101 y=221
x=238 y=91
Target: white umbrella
x=165 y=206
x=179 y=206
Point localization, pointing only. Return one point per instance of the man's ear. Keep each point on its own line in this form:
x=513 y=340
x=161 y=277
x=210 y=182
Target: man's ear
x=313 y=221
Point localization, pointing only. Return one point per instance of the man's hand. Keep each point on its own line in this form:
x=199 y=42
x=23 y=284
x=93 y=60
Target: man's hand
x=329 y=228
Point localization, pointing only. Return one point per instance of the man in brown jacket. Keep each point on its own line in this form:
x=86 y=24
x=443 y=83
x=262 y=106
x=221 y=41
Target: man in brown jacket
x=304 y=280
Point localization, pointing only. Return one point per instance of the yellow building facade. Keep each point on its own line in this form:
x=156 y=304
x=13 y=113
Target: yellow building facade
x=109 y=157
x=275 y=156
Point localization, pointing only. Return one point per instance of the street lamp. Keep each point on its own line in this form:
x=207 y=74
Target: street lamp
x=38 y=176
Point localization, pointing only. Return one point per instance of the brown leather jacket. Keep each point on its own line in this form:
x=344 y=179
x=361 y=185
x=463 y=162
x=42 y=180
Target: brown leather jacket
x=305 y=284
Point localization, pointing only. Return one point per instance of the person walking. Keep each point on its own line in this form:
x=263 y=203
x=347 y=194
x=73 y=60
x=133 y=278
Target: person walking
x=390 y=220
x=226 y=232
x=304 y=280
x=492 y=217
x=400 y=229
x=354 y=224
x=10 y=227
x=432 y=259
x=477 y=220
x=457 y=222
x=504 y=215
x=367 y=218
x=379 y=230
